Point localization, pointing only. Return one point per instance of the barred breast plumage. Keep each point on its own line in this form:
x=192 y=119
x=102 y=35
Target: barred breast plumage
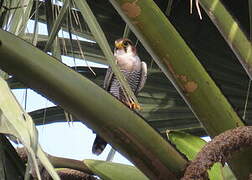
x=132 y=77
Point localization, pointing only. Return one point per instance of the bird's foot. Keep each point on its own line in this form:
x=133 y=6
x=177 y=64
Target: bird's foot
x=133 y=105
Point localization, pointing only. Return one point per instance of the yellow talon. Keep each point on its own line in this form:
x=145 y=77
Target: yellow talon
x=133 y=105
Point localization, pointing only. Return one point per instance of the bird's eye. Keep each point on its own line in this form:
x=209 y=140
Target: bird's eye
x=125 y=43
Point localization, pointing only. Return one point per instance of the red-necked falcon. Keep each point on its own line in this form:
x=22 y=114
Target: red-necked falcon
x=135 y=72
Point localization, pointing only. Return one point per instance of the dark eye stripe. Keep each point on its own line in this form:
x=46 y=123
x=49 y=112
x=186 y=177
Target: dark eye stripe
x=126 y=42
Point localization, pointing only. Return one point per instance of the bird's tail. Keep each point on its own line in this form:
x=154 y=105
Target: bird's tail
x=98 y=145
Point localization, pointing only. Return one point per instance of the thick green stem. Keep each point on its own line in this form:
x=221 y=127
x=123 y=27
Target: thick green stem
x=121 y=127
x=241 y=46
x=59 y=162
x=55 y=27
x=231 y=32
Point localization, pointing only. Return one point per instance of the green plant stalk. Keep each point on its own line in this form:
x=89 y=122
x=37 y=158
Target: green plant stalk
x=181 y=66
x=231 y=32
x=15 y=23
x=20 y=16
x=250 y=19
x=104 y=169
x=34 y=39
x=14 y=166
x=3 y=75
x=56 y=25
x=190 y=145
x=53 y=27
x=16 y=122
x=59 y=162
x=169 y=8
x=112 y=171
x=94 y=106
x=241 y=46
x=126 y=31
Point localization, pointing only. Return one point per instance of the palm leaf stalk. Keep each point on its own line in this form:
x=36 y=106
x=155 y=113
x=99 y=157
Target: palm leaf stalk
x=183 y=69
x=231 y=31
x=16 y=122
x=103 y=169
x=54 y=21
x=99 y=110
x=34 y=39
x=240 y=45
x=20 y=17
x=250 y=19
x=55 y=27
x=12 y=167
x=190 y=146
x=58 y=162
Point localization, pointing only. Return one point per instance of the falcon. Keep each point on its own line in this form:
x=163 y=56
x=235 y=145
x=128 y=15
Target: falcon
x=135 y=72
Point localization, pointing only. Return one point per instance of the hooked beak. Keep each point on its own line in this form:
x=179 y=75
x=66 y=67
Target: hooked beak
x=119 y=45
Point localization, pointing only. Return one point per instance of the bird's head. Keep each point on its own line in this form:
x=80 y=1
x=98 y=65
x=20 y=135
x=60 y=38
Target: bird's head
x=124 y=45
